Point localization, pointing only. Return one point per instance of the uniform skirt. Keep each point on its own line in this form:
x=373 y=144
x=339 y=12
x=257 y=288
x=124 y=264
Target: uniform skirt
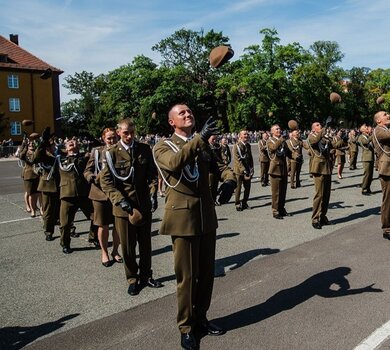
x=102 y=213
x=31 y=186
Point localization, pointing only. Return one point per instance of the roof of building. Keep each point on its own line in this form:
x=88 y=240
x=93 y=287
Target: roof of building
x=20 y=58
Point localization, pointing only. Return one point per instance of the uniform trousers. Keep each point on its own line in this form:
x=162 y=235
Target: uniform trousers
x=264 y=167
x=129 y=236
x=247 y=188
x=385 y=207
x=368 y=174
x=295 y=173
x=322 y=187
x=68 y=210
x=353 y=160
x=51 y=211
x=194 y=258
x=278 y=190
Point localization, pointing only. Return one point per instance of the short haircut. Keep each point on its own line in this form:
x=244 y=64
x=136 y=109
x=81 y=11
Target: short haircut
x=129 y=122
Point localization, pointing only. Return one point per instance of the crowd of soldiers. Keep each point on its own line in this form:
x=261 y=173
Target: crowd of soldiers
x=117 y=183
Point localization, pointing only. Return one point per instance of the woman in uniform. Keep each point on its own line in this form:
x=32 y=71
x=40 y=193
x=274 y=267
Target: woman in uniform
x=102 y=207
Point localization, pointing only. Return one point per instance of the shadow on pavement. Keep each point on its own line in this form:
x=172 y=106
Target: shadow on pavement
x=319 y=284
x=13 y=338
x=359 y=214
x=235 y=261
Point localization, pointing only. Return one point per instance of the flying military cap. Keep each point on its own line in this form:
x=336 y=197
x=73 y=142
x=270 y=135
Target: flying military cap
x=220 y=55
x=335 y=97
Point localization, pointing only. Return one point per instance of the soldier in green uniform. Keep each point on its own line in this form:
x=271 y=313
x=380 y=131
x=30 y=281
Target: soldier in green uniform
x=264 y=159
x=225 y=151
x=30 y=174
x=130 y=182
x=190 y=219
x=320 y=144
x=243 y=169
x=102 y=207
x=295 y=144
x=353 y=149
x=49 y=180
x=74 y=191
x=220 y=172
x=381 y=140
x=277 y=151
x=368 y=158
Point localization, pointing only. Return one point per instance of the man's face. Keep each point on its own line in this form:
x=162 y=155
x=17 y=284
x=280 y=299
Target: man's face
x=316 y=127
x=244 y=136
x=224 y=141
x=384 y=119
x=276 y=131
x=212 y=139
x=295 y=133
x=265 y=136
x=72 y=146
x=181 y=117
x=126 y=133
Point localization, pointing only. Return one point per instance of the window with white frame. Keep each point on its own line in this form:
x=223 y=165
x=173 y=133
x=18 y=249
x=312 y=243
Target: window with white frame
x=16 y=128
x=14 y=104
x=13 y=81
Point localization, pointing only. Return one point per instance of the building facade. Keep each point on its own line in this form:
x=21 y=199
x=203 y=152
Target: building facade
x=29 y=90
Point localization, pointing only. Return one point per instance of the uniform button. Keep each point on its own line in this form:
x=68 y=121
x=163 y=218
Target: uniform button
x=173 y=206
x=198 y=149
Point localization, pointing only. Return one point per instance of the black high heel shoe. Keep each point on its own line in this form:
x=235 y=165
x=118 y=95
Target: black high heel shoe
x=106 y=263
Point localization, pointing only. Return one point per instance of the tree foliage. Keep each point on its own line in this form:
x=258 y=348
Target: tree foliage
x=270 y=83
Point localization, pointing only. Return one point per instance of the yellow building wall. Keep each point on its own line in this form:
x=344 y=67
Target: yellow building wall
x=36 y=102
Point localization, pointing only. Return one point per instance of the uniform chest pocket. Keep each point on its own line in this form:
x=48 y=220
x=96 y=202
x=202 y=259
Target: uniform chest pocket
x=122 y=167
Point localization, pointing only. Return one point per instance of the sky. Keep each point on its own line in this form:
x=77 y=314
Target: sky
x=100 y=35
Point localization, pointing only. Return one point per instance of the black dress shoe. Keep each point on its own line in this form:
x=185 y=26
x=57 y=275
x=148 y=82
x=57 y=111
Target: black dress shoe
x=238 y=208
x=278 y=216
x=189 y=341
x=245 y=206
x=317 y=225
x=49 y=238
x=284 y=213
x=150 y=282
x=133 y=289
x=324 y=221
x=386 y=235
x=67 y=250
x=211 y=329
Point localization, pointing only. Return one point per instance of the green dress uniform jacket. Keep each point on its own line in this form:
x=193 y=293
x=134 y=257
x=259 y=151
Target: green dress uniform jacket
x=381 y=140
x=94 y=166
x=295 y=146
x=49 y=175
x=189 y=207
x=29 y=172
x=139 y=187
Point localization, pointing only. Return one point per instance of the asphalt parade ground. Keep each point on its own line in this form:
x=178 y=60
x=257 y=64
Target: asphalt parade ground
x=280 y=284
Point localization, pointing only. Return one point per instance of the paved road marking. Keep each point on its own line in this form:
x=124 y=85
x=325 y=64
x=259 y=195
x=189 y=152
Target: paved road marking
x=7 y=222
x=376 y=338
